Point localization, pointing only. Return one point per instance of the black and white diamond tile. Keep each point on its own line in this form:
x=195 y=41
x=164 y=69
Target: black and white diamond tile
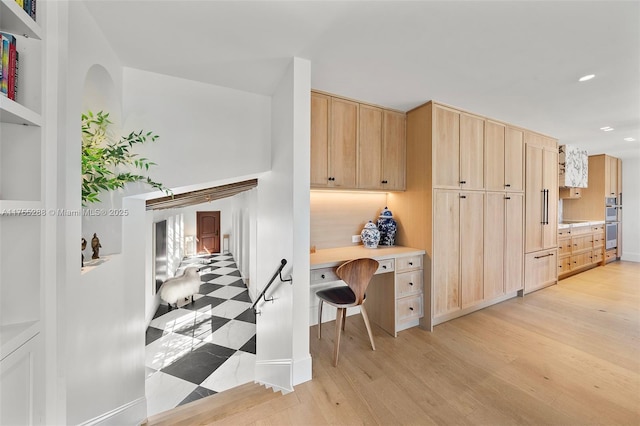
x=205 y=346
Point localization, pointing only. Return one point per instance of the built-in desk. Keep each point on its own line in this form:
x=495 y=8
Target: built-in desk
x=395 y=294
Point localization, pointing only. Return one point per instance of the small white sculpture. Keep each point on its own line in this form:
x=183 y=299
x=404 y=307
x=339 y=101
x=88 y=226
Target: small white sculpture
x=182 y=286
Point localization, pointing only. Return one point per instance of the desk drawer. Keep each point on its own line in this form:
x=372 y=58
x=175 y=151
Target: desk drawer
x=409 y=308
x=409 y=283
x=409 y=263
x=323 y=275
x=386 y=265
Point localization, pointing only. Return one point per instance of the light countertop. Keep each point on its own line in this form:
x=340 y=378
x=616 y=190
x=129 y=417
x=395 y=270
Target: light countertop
x=563 y=225
x=333 y=257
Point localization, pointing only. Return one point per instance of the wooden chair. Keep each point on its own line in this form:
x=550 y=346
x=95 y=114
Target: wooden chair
x=356 y=274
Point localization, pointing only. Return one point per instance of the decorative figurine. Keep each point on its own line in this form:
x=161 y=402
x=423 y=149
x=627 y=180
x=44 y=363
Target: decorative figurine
x=84 y=246
x=95 y=246
x=370 y=235
x=388 y=228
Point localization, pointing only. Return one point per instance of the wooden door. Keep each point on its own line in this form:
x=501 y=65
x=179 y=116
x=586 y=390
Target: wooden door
x=394 y=143
x=514 y=243
x=494 y=244
x=319 y=140
x=495 y=156
x=370 y=148
x=514 y=159
x=446 y=252
x=446 y=148
x=471 y=152
x=343 y=138
x=533 y=198
x=550 y=183
x=208 y=231
x=471 y=248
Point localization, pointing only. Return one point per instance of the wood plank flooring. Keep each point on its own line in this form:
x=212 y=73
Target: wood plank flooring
x=565 y=355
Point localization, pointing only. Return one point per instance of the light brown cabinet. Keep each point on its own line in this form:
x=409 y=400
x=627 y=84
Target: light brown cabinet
x=355 y=145
x=458 y=241
x=334 y=134
x=381 y=149
x=579 y=246
x=458 y=149
x=541 y=211
x=504 y=157
x=474 y=245
x=503 y=244
x=611 y=177
x=570 y=193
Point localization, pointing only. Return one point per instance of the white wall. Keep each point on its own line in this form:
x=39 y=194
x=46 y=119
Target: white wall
x=631 y=209
x=283 y=233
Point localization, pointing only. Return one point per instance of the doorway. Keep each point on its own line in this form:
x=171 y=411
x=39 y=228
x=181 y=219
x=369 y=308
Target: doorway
x=208 y=231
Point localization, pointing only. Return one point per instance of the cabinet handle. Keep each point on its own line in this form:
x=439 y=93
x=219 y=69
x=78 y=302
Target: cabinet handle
x=463 y=196
x=462 y=182
x=322 y=276
x=384 y=181
x=410 y=308
x=507 y=185
x=384 y=266
x=410 y=263
x=411 y=284
x=546 y=255
x=507 y=198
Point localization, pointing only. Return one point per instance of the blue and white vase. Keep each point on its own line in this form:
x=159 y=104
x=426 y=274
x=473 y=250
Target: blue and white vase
x=370 y=235
x=388 y=228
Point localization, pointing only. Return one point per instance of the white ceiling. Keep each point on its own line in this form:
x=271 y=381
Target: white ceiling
x=517 y=61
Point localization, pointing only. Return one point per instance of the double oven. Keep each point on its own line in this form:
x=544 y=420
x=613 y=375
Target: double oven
x=612 y=221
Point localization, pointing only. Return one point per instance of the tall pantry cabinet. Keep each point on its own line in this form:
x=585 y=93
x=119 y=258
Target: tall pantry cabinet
x=25 y=165
x=464 y=205
x=541 y=211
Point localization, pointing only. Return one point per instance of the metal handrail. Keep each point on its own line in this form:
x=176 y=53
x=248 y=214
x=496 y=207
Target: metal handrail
x=263 y=293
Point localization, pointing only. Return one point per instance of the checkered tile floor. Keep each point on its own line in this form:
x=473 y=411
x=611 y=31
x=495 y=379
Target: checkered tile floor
x=205 y=346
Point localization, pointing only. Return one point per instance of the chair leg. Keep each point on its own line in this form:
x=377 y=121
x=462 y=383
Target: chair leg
x=336 y=346
x=320 y=320
x=366 y=323
x=344 y=318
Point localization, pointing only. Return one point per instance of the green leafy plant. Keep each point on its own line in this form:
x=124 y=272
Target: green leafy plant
x=106 y=161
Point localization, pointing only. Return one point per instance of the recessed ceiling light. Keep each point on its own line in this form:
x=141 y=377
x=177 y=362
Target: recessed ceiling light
x=586 y=77
x=606 y=128
x=629 y=139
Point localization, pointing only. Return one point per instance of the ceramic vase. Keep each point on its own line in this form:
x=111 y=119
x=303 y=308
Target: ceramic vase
x=388 y=228
x=370 y=235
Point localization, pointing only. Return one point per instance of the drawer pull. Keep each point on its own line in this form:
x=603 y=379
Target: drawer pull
x=322 y=276
x=410 y=263
x=411 y=284
x=410 y=308
x=384 y=266
x=546 y=255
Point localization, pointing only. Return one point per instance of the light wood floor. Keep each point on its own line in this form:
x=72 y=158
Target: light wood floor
x=565 y=355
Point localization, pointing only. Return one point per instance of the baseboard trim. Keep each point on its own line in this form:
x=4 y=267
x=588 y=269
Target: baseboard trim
x=275 y=374
x=302 y=370
x=134 y=412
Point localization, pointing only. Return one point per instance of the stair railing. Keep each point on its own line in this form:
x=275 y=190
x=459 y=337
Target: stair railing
x=263 y=293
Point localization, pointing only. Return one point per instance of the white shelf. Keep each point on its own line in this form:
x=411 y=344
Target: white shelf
x=15 y=335
x=8 y=205
x=14 y=20
x=13 y=112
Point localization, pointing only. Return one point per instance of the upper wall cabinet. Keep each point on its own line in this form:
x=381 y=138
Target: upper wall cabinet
x=458 y=149
x=334 y=132
x=504 y=157
x=573 y=170
x=355 y=145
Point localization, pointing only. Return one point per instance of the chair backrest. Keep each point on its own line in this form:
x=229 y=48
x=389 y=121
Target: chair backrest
x=357 y=274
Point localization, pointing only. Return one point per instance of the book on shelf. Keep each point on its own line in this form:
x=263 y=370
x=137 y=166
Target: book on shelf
x=9 y=59
x=28 y=6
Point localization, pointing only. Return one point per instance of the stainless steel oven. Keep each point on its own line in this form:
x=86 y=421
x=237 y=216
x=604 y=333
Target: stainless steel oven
x=610 y=209
x=611 y=235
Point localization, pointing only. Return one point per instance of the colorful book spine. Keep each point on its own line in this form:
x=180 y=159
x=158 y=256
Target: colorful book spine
x=9 y=54
x=20 y=3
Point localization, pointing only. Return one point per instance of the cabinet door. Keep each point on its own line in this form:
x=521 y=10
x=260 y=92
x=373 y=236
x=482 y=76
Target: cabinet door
x=541 y=269
x=514 y=243
x=534 y=198
x=446 y=148
x=471 y=152
x=514 y=159
x=319 y=140
x=550 y=183
x=394 y=143
x=471 y=247
x=370 y=148
x=343 y=143
x=495 y=156
x=446 y=252
x=612 y=181
x=494 y=245
x=21 y=390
